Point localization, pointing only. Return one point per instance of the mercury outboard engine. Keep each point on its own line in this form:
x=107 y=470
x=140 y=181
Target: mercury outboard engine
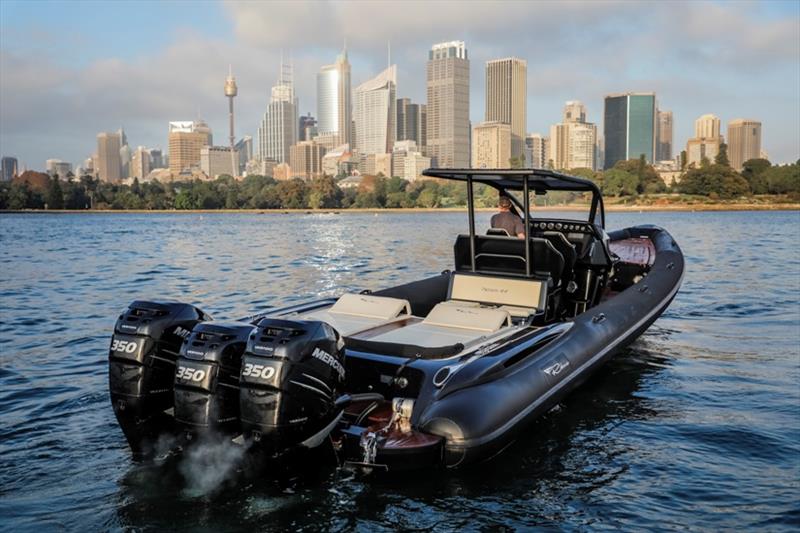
x=141 y=366
x=207 y=378
x=292 y=374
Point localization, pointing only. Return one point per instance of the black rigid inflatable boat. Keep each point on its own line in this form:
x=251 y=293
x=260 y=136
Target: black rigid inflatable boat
x=442 y=371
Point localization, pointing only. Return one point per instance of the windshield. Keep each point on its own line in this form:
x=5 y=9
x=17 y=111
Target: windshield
x=564 y=205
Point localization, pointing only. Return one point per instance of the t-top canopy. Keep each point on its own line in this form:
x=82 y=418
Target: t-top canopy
x=539 y=179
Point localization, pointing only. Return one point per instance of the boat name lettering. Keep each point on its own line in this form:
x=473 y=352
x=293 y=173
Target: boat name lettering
x=556 y=368
x=325 y=357
x=490 y=289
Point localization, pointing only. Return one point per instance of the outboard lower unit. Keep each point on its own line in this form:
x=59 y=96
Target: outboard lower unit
x=141 y=371
x=292 y=374
x=207 y=378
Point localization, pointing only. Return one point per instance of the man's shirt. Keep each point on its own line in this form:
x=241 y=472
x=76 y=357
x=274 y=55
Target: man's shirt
x=509 y=222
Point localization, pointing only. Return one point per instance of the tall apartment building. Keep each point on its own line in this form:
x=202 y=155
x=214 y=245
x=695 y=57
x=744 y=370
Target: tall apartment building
x=411 y=122
x=407 y=161
x=305 y=159
x=744 y=141
x=216 y=160
x=58 y=168
x=186 y=139
x=278 y=129
x=629 y=127
x=491 y=145
x=664 y=136
x=707 y=127
x=538 y=150
x=307 y=128
x=109 y=164
x=9 y=167
x=157 y=158
x=706 y=141
x=573 y=142
x=448 y=127
x=244 y=147
x=140 y=163
x=334 y=100
x=375 y=113
x=506 y=101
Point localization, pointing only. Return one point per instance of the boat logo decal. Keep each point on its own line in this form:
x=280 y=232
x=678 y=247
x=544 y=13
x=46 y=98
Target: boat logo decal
x=325 y=357
x=557 y=367
x=182 y=332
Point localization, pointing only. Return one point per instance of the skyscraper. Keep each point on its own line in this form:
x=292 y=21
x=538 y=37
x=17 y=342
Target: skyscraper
x=245 y=150
x=156 y=158
x=491 y=145
x=573 y=142
x=375 y=114
x=278 y=130
x=307 y=128
x=9 y=168
x=664 y=137
x=334 y=100
x=109 y=164
x=305 y=159
x=707 y=127
x=140 y=163
x=448 y=126
x=629 y=127
x=744 y=141
x=411 y=120
x=539 y=150
x=186 y=139
x=506 y=90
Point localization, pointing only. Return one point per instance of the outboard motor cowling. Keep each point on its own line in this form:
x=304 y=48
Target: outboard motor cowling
x=141 y=365
x=207 y=378
x=292 y=373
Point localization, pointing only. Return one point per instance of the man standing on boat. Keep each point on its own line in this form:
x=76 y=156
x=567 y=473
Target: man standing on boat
x=507 y=220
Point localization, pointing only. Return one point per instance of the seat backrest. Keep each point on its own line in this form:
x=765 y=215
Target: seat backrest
x=369 y=306
x=520 y=293
x=567 y=251
x=497 y=231
x=506 y=255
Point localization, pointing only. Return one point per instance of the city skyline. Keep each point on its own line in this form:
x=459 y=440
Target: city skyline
x=735 y=61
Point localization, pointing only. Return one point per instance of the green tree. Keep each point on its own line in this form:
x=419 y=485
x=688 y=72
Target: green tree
x=619 y=182
x=782 y=179
x=293 y=194
x=55 y=196
x=722 y=156
x=324 y=194
x=714 y=180
x=752 y=171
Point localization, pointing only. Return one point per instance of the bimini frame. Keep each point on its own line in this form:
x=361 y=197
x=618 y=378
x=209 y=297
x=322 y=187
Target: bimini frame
x=540 y=180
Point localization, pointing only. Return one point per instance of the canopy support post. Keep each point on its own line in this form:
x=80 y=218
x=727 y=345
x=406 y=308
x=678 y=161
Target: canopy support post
x=471 y=209
x=527 y=225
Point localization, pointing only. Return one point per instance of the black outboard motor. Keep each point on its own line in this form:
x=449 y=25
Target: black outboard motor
x=207 y=378
x=292 y=373
x=141 y=366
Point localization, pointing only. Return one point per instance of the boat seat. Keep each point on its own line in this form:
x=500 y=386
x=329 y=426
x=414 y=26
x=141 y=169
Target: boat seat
x=356 y=312
x=518 y=297
x=495 y=254
x=448 y=324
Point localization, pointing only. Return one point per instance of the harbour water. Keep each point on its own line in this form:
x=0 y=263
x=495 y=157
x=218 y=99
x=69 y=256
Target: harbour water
x=695 y=426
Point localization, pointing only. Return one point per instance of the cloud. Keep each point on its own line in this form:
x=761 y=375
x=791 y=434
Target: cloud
x=732 y=59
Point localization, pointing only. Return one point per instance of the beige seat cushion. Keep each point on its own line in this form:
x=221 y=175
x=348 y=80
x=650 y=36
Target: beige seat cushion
x=367 y=305
x=357 y=312
x=516 y=294
x=467 y=317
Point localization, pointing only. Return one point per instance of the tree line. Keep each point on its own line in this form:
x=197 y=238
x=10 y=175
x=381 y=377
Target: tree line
x=629 y=178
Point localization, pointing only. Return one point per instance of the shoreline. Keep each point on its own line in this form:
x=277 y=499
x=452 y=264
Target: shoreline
x=569 y=208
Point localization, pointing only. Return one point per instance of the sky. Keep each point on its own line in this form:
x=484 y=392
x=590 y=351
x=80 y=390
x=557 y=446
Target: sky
x=71 y=69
